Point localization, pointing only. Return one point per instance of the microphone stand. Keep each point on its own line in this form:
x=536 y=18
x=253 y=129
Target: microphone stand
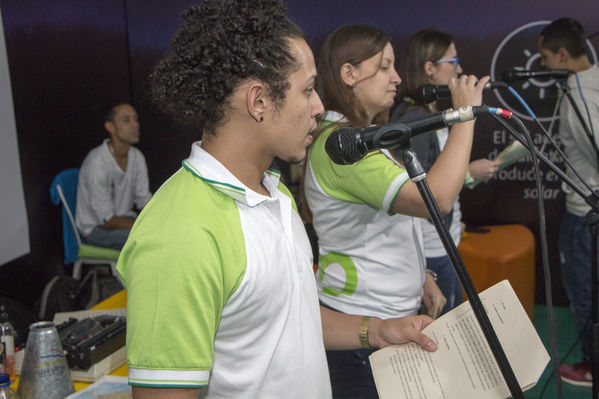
x=418 y=176
x=592 y=221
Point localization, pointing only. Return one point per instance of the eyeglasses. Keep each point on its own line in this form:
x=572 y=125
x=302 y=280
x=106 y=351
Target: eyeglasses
x=454 y=60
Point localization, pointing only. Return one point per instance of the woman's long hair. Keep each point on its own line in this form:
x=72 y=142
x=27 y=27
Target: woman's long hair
x=349 y=44
x=428 y=44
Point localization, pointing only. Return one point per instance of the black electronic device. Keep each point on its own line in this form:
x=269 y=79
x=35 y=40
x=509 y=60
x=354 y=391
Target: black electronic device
x=89 y=340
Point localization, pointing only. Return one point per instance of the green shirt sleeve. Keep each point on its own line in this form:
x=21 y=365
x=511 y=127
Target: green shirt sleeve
x=374 y=180
x=179 y=275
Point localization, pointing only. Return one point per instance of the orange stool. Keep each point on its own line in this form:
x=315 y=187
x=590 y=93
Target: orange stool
x=505 y=252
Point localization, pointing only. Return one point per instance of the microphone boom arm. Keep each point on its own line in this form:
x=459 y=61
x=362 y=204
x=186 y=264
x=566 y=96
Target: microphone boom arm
x=563 y=84
x=591 y=199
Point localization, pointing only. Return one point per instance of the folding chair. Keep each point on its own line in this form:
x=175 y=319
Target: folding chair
x=63 y=190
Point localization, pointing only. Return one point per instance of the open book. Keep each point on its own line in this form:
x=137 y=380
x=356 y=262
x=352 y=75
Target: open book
x=463 y=365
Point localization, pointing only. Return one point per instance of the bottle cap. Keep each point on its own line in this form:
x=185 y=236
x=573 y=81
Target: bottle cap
x=4 y=380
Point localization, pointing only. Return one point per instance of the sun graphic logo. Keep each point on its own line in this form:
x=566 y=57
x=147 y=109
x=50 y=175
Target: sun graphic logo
x=518 y=51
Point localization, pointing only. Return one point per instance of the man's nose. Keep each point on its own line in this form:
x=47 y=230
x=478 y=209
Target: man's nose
x=318 y=107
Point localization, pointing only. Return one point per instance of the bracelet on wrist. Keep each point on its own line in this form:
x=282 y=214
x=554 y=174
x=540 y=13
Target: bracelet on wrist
x=363 y=334
x=432 y=273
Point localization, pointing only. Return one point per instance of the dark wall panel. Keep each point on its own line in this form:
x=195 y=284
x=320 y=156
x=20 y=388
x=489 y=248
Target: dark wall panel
x=151 y=26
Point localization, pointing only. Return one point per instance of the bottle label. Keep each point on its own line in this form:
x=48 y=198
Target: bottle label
x=8 y=343
x=2 y=358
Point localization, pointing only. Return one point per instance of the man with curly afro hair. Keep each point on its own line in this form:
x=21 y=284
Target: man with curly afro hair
x=221 y=296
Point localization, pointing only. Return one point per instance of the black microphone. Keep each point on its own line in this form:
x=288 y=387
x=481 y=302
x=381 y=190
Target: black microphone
x=514 y=75
x=428 y=93
x=348 y=145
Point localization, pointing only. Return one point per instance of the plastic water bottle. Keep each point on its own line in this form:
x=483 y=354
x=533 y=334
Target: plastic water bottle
x=6 y=392
x=7 y=340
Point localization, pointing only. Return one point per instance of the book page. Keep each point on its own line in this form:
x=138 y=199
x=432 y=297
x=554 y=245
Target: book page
x=512 y=154
x=463 y=366
x=509 y=156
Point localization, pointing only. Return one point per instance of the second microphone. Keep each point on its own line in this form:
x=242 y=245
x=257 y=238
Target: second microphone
x=348 y=145
x=428 y=93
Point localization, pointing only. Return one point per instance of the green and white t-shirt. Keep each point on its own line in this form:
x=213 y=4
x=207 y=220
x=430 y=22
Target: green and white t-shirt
x=220 y=289
x=371 y=261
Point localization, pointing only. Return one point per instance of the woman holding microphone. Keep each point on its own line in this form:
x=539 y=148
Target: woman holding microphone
x=367 y=215
x=431 y=57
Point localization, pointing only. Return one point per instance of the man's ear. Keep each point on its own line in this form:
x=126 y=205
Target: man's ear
x=256 y=101
x=564 y=55
x=109 y=126
x=348 y=74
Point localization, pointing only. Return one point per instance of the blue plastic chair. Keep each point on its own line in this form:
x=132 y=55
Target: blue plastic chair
x=63 y=190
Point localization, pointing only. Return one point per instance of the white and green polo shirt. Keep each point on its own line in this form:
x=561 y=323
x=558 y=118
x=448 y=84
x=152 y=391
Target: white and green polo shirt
x=371 y=261
x=220 y=289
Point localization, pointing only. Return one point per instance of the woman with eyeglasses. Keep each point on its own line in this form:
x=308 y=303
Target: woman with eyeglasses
x=367 y=215
x=431 y=58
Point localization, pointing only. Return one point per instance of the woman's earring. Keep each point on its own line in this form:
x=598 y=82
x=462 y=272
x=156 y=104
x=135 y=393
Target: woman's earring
x=261 y=119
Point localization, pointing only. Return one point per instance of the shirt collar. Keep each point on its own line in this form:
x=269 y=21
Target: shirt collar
x=204 y=166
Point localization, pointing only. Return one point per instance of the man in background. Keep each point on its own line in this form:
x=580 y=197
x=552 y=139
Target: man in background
x=112 y=180
x=562 y=46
